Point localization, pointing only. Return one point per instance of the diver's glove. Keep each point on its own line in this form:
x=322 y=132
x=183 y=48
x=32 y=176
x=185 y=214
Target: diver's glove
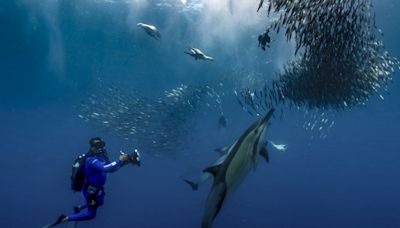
x=123 y=157
x=133 y=158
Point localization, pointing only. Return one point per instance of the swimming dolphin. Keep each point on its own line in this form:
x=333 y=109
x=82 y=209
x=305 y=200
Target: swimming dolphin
x=198 y=54
x=223 y=152
x=240 y=158
x=151 y=30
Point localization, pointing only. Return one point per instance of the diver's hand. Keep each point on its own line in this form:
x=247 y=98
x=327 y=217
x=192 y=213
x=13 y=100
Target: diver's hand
x=123 y=157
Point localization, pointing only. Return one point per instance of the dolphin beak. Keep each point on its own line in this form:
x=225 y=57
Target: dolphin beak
x=262 y=126
x=266 y=118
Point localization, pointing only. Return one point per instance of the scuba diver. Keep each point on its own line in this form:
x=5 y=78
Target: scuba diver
x=264 y=39
x=89 y=173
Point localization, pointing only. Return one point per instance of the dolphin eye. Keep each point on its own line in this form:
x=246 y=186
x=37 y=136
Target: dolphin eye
x=256 y=131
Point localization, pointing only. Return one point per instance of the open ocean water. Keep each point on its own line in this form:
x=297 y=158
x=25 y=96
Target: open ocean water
x=55 y=54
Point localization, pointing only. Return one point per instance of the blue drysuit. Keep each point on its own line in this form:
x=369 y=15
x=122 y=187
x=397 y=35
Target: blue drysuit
x=96 y=171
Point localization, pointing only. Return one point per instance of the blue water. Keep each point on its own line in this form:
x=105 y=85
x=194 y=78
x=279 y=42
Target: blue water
x=52 y=55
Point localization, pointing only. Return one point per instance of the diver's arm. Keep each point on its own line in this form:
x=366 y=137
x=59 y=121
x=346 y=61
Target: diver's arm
x=113 y=166
x=108 y=168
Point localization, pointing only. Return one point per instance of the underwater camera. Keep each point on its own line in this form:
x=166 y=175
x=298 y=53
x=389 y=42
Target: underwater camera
x=133 y=158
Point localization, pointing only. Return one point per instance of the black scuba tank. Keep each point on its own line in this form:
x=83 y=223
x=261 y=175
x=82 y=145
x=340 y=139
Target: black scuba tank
x=78 y=173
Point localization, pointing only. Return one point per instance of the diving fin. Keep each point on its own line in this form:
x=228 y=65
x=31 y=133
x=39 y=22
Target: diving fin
x=60 y=220
x=192 y=184
x=265 y=154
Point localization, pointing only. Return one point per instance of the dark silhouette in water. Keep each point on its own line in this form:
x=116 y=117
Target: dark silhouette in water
x=222 y=121
x=264 y=39
x=260 y=5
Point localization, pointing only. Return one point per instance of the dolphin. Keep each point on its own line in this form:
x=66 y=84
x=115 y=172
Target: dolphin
x=240 y=158
x=198 y=54
x=151 y=30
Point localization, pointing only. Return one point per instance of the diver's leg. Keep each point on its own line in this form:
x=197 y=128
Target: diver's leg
x=78 y=208
x=93 y=201
x=87 y=215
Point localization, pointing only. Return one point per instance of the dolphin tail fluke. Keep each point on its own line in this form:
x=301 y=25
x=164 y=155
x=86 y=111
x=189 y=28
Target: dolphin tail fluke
x=192 y=184
x=264 y=153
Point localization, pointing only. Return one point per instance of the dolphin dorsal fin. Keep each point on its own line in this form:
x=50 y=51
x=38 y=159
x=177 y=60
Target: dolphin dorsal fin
x=212 y=169
x=265 y=154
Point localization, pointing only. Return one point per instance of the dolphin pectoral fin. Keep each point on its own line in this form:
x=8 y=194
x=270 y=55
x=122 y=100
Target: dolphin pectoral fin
x=265 y=154
x=192 y=184
x=212 y=169
x=223 y=150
